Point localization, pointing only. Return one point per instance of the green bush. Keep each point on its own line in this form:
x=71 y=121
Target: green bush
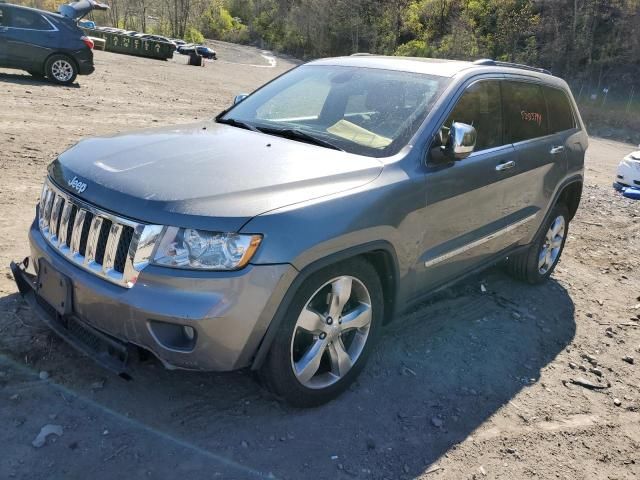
x=413 y=48
x=193 y=35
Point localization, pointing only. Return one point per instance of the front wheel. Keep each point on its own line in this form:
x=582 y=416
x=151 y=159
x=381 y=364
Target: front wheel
x=327 y=334
x=61 y=69
x=537 y=263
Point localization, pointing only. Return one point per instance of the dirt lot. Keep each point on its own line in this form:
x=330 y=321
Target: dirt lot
x=471 y=385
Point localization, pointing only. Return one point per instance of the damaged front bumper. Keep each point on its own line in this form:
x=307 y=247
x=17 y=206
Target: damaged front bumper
x=107 y=351
x=211 y=321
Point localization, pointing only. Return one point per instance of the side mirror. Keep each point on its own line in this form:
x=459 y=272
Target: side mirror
x=238 y=98
x=462 y=140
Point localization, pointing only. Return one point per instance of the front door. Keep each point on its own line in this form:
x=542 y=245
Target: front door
x=540 y=163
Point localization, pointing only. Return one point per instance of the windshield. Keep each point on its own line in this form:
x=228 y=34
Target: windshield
x=365 y=111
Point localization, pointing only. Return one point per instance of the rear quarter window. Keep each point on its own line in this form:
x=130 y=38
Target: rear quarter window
x=560 y=113
x=525 y=111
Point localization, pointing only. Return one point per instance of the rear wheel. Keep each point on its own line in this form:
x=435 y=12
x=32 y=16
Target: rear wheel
x=326 y=336
x=61 y=69
x=537 y=263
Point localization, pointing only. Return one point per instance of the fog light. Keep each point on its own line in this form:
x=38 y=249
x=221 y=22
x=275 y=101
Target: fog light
x=174 y=336
x=189 y=332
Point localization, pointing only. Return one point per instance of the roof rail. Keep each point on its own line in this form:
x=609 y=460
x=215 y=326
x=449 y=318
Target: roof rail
x=361 y=54
x=497 y=63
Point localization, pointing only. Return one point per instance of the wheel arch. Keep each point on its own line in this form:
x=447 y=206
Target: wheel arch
x=380 y=254
x=570 y=195
x=569 y=192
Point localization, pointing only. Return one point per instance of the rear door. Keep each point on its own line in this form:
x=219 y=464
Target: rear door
x=540 y=158
x=30 y=38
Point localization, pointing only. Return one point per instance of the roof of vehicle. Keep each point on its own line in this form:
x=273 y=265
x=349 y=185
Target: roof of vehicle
x=431 y=66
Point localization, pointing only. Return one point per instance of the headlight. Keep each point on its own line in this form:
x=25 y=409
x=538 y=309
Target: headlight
x=199 y=249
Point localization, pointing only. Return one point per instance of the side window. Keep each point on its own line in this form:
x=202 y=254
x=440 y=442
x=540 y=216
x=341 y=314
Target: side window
x=560 y=112
x=29 y=20
x=3 y=18
x=480 y=106
x=525 y=111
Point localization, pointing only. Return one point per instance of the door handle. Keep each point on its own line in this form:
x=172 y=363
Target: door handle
x=505 y=166
x=556 y=150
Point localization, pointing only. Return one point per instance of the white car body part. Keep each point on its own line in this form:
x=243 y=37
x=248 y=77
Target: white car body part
x=628 y=173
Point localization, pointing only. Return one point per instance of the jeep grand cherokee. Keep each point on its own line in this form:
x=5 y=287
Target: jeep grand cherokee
x=285 y=233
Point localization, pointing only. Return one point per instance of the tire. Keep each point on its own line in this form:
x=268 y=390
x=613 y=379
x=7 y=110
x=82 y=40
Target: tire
x=324 y=292
x=61 y=69
x=526 y=266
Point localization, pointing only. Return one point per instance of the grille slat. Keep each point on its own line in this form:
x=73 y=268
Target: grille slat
x=55 y=215
x=111 y=247
x=47 y=208
x=123 y=249
x=77 y=230
x=94 y=240
x=84 y=233
x=63 y=225
x=70 y=223
x=103 y=238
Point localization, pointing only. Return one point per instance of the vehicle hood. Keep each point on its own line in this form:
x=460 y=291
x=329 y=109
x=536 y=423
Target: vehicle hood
x=206 y=175
x=78 y=10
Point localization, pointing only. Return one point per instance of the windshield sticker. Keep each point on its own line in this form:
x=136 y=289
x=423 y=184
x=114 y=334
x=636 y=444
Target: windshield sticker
x=531 y=117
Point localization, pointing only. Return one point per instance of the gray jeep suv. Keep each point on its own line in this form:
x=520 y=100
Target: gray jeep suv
x=284 y=234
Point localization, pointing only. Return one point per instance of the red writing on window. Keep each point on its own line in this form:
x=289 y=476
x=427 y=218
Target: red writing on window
x=531 y=117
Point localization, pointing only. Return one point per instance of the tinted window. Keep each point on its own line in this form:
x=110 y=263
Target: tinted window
x=525 y=111
x=480 y=107
x=31 y=20
x=560 y=113
x=3 y=17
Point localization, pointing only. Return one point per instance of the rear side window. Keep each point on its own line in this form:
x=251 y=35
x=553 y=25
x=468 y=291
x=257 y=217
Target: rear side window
x=560 y=112
x=29 y=20
x=480 y=106
x=525 y=111
x=3 y=17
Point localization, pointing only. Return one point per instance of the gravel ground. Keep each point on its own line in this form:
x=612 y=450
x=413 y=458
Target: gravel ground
x=470 y=385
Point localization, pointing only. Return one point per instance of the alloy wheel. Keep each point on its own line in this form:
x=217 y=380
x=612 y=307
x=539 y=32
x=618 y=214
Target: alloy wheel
x=331 y=332
x=62 y=70
x=552 y=245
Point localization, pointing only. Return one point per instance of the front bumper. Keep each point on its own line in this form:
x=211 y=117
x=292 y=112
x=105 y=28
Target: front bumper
x=229 y=311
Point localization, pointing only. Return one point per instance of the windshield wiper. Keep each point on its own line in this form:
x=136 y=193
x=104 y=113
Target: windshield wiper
x=297 y=134
x=237 y=123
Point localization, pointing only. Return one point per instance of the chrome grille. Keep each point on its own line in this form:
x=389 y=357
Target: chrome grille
x=109 y=246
